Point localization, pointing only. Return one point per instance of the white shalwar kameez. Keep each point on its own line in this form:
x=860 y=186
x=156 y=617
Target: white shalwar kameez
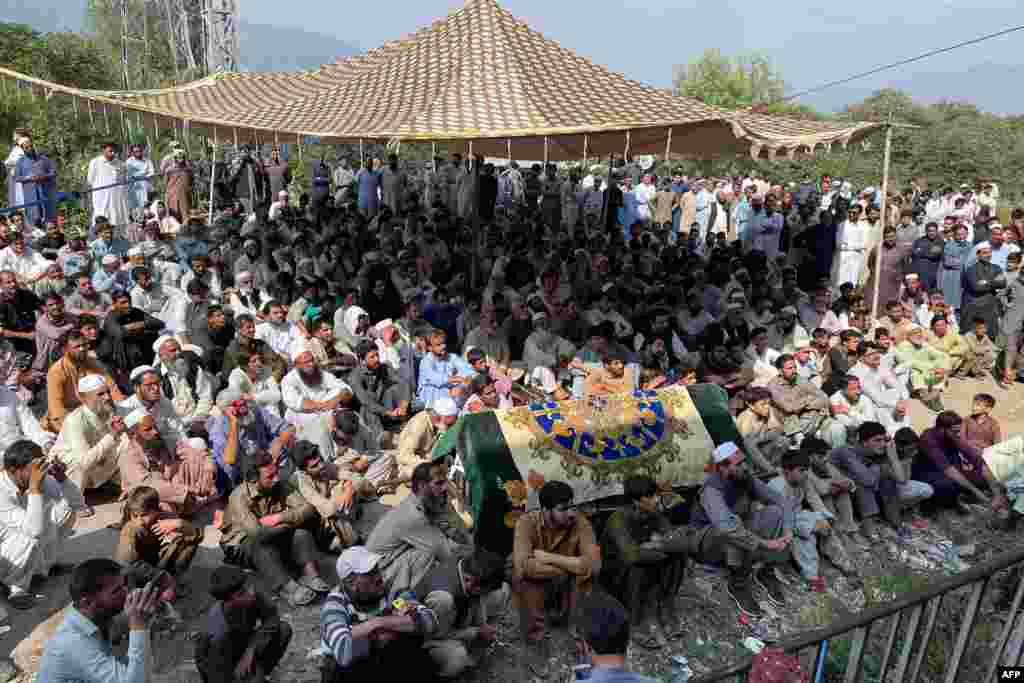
x=111 y=202
x=312 y=426
x=851 y=248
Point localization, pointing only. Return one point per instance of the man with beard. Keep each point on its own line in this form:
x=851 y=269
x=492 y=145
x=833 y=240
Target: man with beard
x=802 y=406
x=147 y=395
x=245 y=637
x=643 y=560
x=85 y=300
x=248 y=298
x=310 y=395
x=850 y=409
x=267 y=526
x=346 y=508
x=880 y=383
x=279 y=334
x=36 y=174
x=787 y=334
x=694 y=319
x=981 y=282
x=242 y=429
x=251 y=261
x=88 y=439
x=418 y=437
x=220 y=332
x=889 y=273
x=185 y=480
x=245 y=344
x=128 y=335
x=364 y=635
x=147 y=295
x=731 y=531
x=926 y=256
x=954 y=467
x=1013 y=319
x=80 y=650
x=184 y=383
x=18 y=308
x=38 y=503
x=554 y=553
x=486 y=337
x=896 y=321
x=414 y=536
x=62 y=381
x=1001 y=249
x=440 y=372
x=383 y=398
x=928 y=368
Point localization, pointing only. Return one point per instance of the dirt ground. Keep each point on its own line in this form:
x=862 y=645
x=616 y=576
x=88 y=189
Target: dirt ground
x=711 y=637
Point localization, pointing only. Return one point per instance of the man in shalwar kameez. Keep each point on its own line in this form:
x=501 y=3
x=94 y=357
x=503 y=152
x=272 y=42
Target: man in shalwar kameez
x=139 y=166
x=37 y=175
x=111 y=202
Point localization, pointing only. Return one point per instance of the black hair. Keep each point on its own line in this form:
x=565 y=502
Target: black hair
x=553 y=494
x=814 y=445
x=947 y=419
x=987 y=398
x=488 y=568
x=197 y=286
x=21 y=453
x=782 y=360
x=251 y=465
x=365 y=348
x=795 y=458
x=422 y=474
x=639 y=486
x=85 y=578
x=475 y=355
x=479 y=382
x=905 y=436
x=603 y=623
x=869 y=430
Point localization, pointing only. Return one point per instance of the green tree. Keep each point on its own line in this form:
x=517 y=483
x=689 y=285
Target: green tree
x=729 y=82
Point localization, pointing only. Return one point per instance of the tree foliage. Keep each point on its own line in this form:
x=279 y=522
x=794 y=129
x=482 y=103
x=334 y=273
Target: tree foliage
x=729 y=82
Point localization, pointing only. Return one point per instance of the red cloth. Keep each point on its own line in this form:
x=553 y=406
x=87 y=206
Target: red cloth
x=773 y=665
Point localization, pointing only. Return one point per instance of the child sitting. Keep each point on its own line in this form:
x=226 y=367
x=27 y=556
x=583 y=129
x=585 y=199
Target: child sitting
x=980 y=429
x=155 y=545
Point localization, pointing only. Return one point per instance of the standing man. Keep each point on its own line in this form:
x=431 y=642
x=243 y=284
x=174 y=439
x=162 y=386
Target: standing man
x=80 y=650
x=177 y=171
x=343 y=178
x=393 y=186
x=278 y=174
x=926 y=257
x=139 y=169
x=981 y=281
x=37 y=175
x=111 y=202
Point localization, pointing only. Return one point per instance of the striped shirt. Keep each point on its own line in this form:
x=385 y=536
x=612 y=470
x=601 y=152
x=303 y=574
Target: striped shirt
x=338 y=614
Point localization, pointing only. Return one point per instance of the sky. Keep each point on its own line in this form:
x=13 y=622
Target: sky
x=807 y=43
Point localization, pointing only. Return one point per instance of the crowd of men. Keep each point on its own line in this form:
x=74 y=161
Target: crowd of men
x=291 y=362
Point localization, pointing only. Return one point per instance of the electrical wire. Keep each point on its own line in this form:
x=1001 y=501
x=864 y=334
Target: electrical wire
x=902 y=62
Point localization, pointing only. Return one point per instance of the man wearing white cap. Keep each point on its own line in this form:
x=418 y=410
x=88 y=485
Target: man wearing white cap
x=87 y=443
x=543 y=379
x=278 y=206
x=787 y=334
x=416 y=440
x=544 y=348
x=18 y=422
x=310 y=395
x=363 y=647
x=184 y=478
x=739 y=536
x=62 y=381
x=183 y=380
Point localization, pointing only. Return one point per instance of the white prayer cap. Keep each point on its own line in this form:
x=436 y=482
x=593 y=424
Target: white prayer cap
x=383 y=325
x=734 y=306
x=789 y=310
x=135 y=251
x=282 y=193
x=141 y=369
x=135 y=417
x=544 y=379
x=982 y=245
x=194 y=349
x=299 y=350
x=910 y=276
x=90 y=383
x=110 y=259
x=161 y=341
x=245 y=274
x=539 y=315
x=995 y=225
x=196 y=443
x=724 y=451
x=445 y=407
x=356 y=560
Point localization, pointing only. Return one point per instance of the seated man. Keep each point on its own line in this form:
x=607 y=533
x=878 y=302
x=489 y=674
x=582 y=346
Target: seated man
x=243 y=428
x=612 y=377
x=184 y=382
x=185 y=479
x=146 y=385
x=383 y=398
x=948 y=341
x=467 y=597
x=603 y=628
x=419 y=435
x=17 y=421
x=358 y=456
x=562 y=564
x=833 y=487
x=981 y=429
x=266 y=525
x=928 y=368
x=310 y=397
x=440 y=373
x=38 y=504
x=365 y=636
x=735 y=534
x=642 y=560
x=850 y=409
x=882 y=482
x=802 y=406
x=347 y=513
x=245 y=637
x=62 y=381
x=887 y=389
x=812 y=525
x=762 y=430
x=417 y=534
x=953 y=467
x=88 y=440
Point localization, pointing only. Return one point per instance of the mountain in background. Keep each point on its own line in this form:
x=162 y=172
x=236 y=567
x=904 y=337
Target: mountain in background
x=263 y=47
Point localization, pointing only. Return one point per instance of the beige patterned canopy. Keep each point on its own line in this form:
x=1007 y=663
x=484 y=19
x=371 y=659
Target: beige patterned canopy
x=480 y=79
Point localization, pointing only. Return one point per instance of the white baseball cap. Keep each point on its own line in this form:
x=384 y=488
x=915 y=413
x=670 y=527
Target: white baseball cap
x=356 y=560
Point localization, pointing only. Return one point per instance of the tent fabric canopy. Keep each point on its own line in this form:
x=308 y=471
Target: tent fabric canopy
x=478 y=79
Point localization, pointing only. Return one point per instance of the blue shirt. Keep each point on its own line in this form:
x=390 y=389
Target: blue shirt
x=601 y=674
x=256 y=437
x=436 y=375
x=78 y=653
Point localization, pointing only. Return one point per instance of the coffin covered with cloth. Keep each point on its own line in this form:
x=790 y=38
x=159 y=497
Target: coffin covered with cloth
x=593 y=445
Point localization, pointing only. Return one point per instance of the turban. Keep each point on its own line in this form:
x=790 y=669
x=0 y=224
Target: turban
x=90 y=383
x=445 y=407
x=141 y=369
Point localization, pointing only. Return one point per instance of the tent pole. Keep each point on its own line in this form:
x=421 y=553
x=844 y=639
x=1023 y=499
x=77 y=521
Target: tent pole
x=362 y=156
x=608 y=189
x=298 y=143
x=586 y=150
x=545 y=154
x=475 y=212
x=668 y=146
x=885 y=188
x=213 y=174
x=508 y=151
x=625 y=155
x=433 y=155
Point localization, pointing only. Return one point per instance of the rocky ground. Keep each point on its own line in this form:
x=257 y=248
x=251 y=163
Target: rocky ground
x=712 y=633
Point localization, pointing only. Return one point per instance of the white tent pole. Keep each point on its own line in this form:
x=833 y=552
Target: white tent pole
x=298 y=143
x=545 y=153
x=625 y=155
x=885 y=189
x=508 y=151
x=362 y=154
x=668 y=145
x=586 y=150
x=433 y=155
x=235 y=133
x=213 y=173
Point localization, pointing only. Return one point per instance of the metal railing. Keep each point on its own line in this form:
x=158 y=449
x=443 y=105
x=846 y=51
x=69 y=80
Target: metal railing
x=918 y=612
